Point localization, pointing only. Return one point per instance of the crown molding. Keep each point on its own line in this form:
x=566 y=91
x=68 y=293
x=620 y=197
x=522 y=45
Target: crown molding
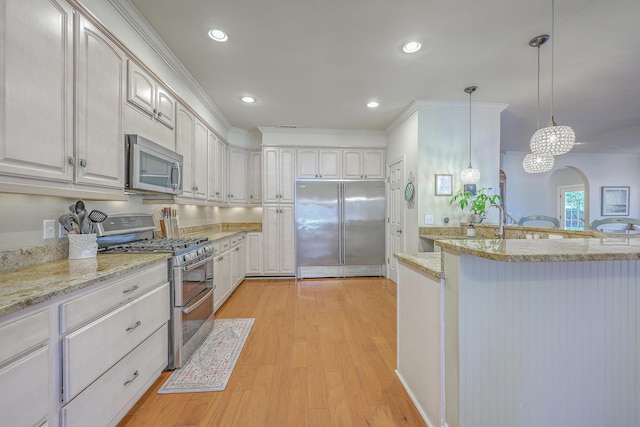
x=137 y=22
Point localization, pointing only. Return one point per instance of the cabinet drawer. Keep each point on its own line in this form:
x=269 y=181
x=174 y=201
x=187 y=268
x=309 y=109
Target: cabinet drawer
x=22 y=334
x=92 y=305
x=221 y=246
x=25 y=388
x=236 y=240
x=88 y=352
x=116 y=390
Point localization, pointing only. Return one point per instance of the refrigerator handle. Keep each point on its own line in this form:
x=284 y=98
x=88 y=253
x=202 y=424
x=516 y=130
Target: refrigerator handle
x=341 y=222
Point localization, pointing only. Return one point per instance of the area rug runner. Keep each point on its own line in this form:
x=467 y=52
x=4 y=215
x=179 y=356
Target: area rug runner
x=210 y=366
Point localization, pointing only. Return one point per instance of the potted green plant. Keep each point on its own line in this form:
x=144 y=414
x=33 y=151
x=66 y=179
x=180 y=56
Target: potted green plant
x=478 y=203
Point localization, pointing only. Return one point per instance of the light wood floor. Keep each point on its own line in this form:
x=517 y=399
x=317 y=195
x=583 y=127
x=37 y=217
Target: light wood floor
x=320 y=353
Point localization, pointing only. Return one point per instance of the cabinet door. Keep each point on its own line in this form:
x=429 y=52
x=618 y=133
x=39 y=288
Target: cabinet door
x=212 y=145
x=373 y=164
x=329 y=164
x=184 y=145
x=220 y=165
x=287 y=175
x=287 y=239
x=36 y=83
x=165 y=109
x=307 y=163
x=352 y=164
x=25 y=389
x=200 y=156
x=141 y=89
x=255 y=177
x=99 y=108
x=271 y=240
x=254 y=253
x=270 y=190
x=238 y=164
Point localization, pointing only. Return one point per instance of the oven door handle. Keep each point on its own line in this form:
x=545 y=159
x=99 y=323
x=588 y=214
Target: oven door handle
x=197 y=264
x=187 y=310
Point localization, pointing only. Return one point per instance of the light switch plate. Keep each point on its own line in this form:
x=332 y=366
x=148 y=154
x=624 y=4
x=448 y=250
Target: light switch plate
x=49 y=229
x=428 y=219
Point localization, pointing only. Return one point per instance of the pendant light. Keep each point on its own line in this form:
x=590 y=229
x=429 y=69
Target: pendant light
x=538 y=162
x=553 y=140
x=470 y=175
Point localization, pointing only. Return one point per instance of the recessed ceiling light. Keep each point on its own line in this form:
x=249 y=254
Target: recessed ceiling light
x=411 y=47
x=218 y=35
x=373 y=104
x=248 y=99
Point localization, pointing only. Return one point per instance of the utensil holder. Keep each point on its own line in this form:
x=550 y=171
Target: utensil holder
x=82 y=246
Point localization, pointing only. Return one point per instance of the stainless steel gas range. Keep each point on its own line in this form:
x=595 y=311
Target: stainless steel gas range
x=190 y=272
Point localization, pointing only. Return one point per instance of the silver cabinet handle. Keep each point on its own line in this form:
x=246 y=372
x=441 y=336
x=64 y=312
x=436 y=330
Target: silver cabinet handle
x=159 y=113
x=132 y=379
x=126 y=291
x=131 y=328
x=83 y=163
x=400 y=231
x=72 y=161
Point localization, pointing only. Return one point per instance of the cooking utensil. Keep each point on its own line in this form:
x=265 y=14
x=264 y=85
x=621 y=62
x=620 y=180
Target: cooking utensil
x=97 y=216
x=69 y=223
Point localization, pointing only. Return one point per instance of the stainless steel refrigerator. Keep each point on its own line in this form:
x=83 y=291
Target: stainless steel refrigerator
x=340 y=228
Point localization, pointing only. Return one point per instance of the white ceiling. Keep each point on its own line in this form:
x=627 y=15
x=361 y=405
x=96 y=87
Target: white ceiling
x=316 y=63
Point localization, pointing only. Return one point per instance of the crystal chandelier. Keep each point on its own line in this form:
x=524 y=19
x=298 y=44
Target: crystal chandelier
x=538 y=163
x=553 y=140
x=470 y=175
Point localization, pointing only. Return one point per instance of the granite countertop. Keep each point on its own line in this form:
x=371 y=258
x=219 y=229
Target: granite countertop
x=27 y=286
x=544 y=250
x=427 y=262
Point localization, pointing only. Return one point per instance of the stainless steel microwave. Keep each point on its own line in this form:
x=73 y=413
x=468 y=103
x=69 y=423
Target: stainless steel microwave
x=150 y=167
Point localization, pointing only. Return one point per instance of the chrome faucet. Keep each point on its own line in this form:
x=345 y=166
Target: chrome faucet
x=500 y=231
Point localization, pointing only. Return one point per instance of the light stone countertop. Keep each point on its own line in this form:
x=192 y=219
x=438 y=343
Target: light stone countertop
x=547 y=250
x=27 y=286
x=427 y=262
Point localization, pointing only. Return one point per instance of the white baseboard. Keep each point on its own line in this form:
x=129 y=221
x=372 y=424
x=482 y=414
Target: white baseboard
x=423 y=414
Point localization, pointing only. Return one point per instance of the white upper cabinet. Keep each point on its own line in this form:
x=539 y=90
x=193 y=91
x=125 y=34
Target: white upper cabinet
x=315 y=163
x=185 y=128
x=238 y=165
x=218 y=165
x=363 y=164
x=148 y=95
x=255 y=177
x=100 y=93
x=36 y=78
x=200 y=160
x=279 y=175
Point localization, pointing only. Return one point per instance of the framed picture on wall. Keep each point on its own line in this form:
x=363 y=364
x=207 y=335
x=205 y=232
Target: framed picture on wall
x=615 y=201
x=444 y=184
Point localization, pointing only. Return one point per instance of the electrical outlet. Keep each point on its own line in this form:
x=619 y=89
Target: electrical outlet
x=428 y=219
x=49 y=229
x=62 y=232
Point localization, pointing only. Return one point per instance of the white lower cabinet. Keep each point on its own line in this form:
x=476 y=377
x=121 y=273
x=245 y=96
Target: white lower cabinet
x=237 y=254
x=253 y=248
x=25 y=377
x=109 y=398
x=221 y=274
x=113 y=346
x=93 y=349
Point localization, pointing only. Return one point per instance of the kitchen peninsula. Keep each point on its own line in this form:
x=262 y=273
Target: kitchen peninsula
x=519 y=332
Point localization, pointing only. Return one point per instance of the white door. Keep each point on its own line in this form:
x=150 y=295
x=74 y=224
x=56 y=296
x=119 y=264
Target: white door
x=571 y=207
x=396 y=217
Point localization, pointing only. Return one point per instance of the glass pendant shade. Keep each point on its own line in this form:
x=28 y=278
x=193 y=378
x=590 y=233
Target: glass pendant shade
x=553 y=140
x=470 y=175
x=538 y=163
